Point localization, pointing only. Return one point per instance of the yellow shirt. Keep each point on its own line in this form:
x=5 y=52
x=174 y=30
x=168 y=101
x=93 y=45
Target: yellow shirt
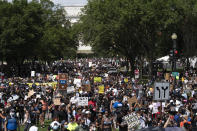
x=72 y=126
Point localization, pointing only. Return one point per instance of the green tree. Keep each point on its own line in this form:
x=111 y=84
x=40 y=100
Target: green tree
x=33 y=31
x=137 y=28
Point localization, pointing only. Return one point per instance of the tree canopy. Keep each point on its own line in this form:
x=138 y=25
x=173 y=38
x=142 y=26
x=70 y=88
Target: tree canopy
x=35 y=30
x=139 y=28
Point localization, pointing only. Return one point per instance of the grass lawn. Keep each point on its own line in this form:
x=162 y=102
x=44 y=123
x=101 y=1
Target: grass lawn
x=47 y=123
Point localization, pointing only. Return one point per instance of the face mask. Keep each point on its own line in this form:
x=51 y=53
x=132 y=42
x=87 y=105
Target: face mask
x=55 y=127
x=94 y=128
x=12 y=114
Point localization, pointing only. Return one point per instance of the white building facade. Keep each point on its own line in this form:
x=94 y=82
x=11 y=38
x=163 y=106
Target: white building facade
x=73 y=14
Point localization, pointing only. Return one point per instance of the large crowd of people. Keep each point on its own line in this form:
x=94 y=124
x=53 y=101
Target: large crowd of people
x=105 y=101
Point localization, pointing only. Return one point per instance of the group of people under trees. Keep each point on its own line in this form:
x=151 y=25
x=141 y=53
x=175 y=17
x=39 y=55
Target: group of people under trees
x=109 y=99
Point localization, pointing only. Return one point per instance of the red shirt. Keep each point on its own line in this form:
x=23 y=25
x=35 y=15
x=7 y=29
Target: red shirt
x=92 y=103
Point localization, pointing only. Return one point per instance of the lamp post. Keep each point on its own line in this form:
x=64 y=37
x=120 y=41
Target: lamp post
x=174 y=37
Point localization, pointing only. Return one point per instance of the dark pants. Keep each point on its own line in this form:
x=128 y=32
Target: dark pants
x=1 y=124
x=27 y=126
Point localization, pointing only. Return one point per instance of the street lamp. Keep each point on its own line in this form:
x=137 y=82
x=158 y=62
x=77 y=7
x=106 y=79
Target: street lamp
x=174 y=37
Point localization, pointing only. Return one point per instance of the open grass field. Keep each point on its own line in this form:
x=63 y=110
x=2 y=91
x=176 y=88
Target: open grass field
x=47 y=123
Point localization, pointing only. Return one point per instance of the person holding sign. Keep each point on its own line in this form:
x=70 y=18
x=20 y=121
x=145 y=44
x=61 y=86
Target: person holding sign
x=101 y=89
x=97 y=79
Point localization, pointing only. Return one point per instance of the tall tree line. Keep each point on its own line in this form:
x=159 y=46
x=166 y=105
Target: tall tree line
x=139 y=29
x=34 y=30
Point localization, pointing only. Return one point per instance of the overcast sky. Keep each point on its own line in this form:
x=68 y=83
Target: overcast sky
x=68 y=2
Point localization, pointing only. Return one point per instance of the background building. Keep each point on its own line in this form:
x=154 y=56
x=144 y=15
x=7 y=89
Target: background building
x=73 y=13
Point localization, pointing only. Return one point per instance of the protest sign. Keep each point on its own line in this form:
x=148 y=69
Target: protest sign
x=101 y=89
x=132 y=100
x=77 y=81
x=30 y=84
x=33 y=73
x=106 y=75
x=30 y=93
x=132 y=120
x=97 y=79
x=74 y=100
x=57 y=101
x=83 y=101
x=70 y=89
x=90 y=64
x=38 y=96
x=63 y=81
x=38 y=74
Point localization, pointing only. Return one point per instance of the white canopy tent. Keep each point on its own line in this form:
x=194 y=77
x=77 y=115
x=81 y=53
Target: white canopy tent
x=193 y=61
x=164 y=59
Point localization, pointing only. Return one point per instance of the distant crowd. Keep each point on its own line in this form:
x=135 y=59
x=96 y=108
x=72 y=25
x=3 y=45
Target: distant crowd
x=97 y=97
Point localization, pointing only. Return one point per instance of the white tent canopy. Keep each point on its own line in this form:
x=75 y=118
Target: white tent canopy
x=193 y=61
x=165 y=58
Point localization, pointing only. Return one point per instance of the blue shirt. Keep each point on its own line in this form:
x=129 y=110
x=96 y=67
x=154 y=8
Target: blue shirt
x=177 y=118
x=117 y=104
x=12 y=124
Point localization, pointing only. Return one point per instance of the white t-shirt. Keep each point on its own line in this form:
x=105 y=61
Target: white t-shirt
x=74 y=100
x=33 y=128
x=54 y=122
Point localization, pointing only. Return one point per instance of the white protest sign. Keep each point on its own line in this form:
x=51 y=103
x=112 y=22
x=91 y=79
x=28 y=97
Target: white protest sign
x=38 y=74
x=132 y=120
x=77 y=81
x=106 y=75
x=90 y=64
x=74 y=100
x=70 y=89
x=57 y=101
x=33 y=73
x=83 y=101
x=161 y=91
x=30 y=93
x=38 y=96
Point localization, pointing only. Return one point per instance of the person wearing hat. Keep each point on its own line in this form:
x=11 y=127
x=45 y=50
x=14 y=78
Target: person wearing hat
x=87 y=118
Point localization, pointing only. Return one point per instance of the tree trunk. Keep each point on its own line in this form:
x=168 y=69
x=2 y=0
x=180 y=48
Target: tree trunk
x=141 y=67
x=127 y=64
x=150 y=68
x=132 y=66
x=188 y=64
x=19 y=69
